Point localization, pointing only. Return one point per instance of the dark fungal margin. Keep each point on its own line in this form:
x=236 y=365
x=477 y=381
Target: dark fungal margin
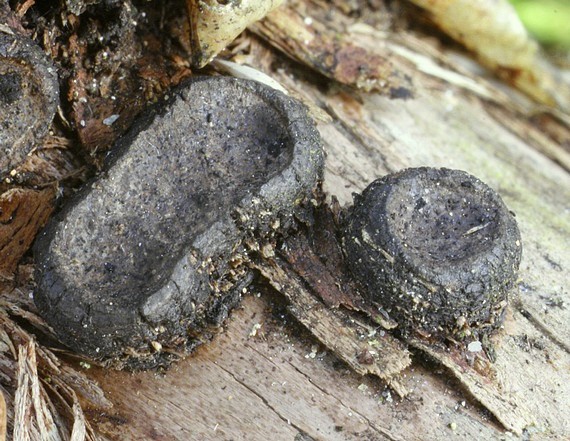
x=145 y=261
x=437 y=249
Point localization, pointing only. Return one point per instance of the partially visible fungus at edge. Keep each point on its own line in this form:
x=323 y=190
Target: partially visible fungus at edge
x=29 y=95
x=437 y=249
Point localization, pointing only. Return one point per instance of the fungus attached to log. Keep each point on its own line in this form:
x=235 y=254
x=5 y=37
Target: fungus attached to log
x=29 y=95
x=436 y=248
x=145 y=260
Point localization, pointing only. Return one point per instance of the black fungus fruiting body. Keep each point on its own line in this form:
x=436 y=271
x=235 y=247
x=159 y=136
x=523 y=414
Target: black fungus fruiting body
x=435 y=248
x=29 y=95
x=146 y=259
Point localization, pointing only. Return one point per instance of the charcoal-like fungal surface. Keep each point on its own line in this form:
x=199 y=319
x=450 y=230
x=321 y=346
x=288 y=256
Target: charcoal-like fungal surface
x=435 y=248
x=29 y=95
x=145 y=260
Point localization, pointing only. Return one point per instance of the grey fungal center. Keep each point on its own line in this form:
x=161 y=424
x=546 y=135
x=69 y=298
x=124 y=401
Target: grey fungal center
x=440 y=224
x=138 y=253
x=10 y=86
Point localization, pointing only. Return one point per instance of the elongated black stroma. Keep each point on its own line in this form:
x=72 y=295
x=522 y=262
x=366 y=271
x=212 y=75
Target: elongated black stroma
x=145 y=260
x=435 y=248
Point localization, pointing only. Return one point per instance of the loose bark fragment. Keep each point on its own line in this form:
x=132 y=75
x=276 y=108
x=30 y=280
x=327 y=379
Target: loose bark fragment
x=330 y=53
x=54 y=164
x=349 y=339
x=317 y=257
x=311 y=269
x=78 y=432
x=22 y=213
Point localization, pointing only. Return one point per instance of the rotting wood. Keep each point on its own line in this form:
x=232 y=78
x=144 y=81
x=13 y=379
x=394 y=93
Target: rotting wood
x=444 y=126
x=328 y=279
x=308 y=38
x=527 y=364
x=489 y=152
x=322 y=297
x=22 y=213
x=44 y=388
x=352 y=341
x=282 y=383
x=399 y=49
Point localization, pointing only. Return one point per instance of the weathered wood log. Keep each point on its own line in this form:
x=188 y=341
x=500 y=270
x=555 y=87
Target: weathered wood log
x=266 y=376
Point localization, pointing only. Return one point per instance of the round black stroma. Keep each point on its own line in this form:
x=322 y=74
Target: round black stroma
x=435 y=248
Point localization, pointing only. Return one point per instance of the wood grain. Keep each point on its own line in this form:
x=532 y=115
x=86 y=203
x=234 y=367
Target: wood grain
x=269 y=375
x=22 y=213
x=270 y=386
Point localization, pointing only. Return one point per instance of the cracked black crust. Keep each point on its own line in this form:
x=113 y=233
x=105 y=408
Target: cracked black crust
x=146 y=261
x=435 y=248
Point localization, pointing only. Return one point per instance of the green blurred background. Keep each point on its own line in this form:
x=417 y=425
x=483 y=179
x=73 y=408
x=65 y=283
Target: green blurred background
x=547 y=20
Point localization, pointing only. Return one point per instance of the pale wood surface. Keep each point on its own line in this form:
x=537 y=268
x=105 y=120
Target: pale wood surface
x=269 y=387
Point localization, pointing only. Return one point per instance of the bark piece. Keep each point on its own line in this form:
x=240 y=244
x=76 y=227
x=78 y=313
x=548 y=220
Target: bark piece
x=22 y=213
x=350 y=339
x=314 y=43
x=147 y=259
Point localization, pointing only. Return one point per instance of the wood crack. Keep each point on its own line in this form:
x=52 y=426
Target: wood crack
x=390 y=436
x=263 y=400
